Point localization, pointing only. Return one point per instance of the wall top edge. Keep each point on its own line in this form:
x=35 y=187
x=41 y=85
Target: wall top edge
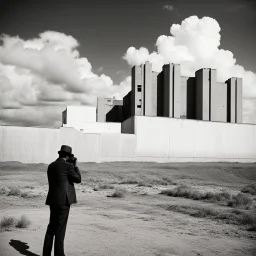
x=191 y=120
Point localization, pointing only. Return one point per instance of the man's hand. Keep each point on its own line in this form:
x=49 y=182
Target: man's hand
x=74 y=174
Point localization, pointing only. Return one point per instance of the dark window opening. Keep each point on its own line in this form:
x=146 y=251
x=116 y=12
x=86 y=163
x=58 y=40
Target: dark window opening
x=139 y=88
x=138 y=106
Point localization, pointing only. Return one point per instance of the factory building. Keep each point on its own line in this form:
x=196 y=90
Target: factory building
x=168 y=94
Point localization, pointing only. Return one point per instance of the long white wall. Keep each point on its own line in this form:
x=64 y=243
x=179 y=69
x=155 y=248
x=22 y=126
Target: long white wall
x=169 y=139
x=156 y=139
x=40 y=145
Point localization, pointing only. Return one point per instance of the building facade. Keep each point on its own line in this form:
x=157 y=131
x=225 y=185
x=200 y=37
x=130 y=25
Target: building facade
x=168 y=94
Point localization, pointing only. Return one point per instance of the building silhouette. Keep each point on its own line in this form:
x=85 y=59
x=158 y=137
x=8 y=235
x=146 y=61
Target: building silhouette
x=168 y=94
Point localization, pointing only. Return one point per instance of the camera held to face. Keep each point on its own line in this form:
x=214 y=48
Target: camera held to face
x=72 y=160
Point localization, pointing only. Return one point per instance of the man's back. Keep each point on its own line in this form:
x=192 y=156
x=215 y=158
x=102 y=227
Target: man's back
x=61 y=178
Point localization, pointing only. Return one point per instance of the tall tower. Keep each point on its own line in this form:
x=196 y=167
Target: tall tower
x=234 y=100
x=137 y=103
x=171 y=90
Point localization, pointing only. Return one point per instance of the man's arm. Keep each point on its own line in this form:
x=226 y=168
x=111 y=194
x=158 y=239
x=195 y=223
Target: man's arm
x=74 y=174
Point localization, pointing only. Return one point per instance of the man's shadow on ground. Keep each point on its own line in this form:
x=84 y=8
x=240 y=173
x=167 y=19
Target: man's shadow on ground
x=21 y=247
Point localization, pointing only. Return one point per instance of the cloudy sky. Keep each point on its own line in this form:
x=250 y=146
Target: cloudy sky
x=58 y=53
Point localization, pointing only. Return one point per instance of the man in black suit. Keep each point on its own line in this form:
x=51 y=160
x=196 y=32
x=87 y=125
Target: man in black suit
x=61 y=194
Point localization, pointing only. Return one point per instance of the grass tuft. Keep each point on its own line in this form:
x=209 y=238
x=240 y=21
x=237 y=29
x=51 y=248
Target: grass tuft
x=14 y=192
x=3 y=191
x=250 y=189
x=119 y=193
x=23 y=222
x=241 y=201
x=7 y=222
x=235 y=216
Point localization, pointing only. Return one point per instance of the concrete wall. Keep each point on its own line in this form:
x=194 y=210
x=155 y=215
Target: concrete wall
x=99 y=127
x=219 y=103
x=76 y=115
x=128 y=126
x=40 y=145
x=167 y=139
x=156 y=139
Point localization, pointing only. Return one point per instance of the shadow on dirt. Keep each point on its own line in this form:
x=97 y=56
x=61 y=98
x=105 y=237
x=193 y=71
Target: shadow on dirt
x=21 y=247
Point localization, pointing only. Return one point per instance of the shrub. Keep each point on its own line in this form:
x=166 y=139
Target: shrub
x=144 y=184
x=3 y=191
x=118 y=193
x=106 y=186
x=241 y=201
x=237 y=217
x=250 y=189
x=23 y=222
x=14 y=192
x=7 y=222
x=129 y=180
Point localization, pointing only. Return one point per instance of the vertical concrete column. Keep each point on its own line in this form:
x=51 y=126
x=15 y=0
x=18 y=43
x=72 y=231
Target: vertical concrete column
x=176 y=91
x=168 y=90
x=231 y=100
x=154 y=94
x=234 y=100
x=239 y=101
x=101 y=115
x=137 y=91
x=213 y=95
x=202 y=94
x=148 y=92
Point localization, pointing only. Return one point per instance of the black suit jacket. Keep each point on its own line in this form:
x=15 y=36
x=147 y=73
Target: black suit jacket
x=61 y=178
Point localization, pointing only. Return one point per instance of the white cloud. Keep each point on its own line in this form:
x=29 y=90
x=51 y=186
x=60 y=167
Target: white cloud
x=195 y=44
x=40 y=76
x=168 y=7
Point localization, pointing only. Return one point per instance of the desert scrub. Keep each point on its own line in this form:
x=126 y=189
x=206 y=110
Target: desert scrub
x=14 y=192
x=250 y=189
x=241 y=201
x=3 y=191
x=105 y=186
x=119 y=193
x=188 y=192
x=7 y=222
x=237 y=217
x=23 y=222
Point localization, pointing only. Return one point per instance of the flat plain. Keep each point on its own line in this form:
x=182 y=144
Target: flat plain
x=125 y=208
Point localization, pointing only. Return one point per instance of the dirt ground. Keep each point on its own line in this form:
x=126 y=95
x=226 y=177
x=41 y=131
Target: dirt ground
x=139 y=223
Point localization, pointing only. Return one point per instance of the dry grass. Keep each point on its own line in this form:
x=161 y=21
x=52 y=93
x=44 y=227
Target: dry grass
x=14 y=192
x=235 y=216
x=250 y=189
x=3 y=191
x=119 y=193
x=236 y=201
x=9 y=222
x=241 y=201
x=23 y=222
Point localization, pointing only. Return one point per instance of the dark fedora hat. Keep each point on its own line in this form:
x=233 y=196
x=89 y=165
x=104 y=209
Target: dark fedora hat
x=65 y=149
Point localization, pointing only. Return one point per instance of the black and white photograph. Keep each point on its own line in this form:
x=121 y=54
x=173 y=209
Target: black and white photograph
x=127 y=128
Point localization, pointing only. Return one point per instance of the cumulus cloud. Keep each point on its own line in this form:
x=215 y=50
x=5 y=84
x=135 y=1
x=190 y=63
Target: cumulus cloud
x=40 y=76
x=195 y=44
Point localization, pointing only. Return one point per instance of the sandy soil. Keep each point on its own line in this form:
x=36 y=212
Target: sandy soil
x=139 y=223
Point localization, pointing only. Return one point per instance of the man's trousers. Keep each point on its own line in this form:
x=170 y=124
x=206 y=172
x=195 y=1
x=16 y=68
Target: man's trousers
x=56 y=228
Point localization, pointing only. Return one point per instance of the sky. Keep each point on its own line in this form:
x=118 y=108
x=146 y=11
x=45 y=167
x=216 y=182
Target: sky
x=58 y=53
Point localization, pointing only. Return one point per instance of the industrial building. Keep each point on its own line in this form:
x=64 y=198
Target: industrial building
x=168 y=94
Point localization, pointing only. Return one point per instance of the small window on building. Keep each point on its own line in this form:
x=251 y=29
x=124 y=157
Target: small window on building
x=138 y=106
x=109 y=100
x=139 y=88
